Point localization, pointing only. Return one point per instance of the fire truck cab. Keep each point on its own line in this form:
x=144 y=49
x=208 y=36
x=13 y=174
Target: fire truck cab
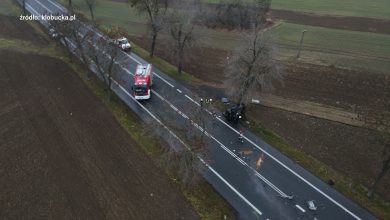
x=143 y=81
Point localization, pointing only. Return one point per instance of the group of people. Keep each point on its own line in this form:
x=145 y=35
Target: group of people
x=206 y=101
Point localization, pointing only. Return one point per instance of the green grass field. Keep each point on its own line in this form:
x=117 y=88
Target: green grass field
x=359 y=8
x=334 y=46
x=334 y=39
x=112 y=13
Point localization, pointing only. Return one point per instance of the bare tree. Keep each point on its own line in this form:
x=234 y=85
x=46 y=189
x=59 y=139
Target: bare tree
x=104 y=59
x=183 y=160
x=155 y=10
x=181 y=27
x=188 y=161
x=262 y=8
x=80 y=39
x=63 y=28
x=251 y=68
x=91 y=4
x=75 y=38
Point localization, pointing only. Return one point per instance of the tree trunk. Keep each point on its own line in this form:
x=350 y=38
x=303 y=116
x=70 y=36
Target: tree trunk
x=154 y=38
x=68 y=48
x=180 y=62
x=70 y=3
x=244 y=88
x=109 y=89
x=85 y=61
x=91 y=11
x=24 y=7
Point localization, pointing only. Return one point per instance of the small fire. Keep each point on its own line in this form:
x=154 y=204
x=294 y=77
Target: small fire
x=246 y=152
x=260 y=161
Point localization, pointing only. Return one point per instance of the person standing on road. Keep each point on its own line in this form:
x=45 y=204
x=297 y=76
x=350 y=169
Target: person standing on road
x=241 y=137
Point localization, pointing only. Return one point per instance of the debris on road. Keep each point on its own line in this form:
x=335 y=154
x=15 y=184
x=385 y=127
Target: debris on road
x=311 y=205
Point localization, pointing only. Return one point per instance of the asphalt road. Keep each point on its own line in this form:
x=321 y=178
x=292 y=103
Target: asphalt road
x=278 y=189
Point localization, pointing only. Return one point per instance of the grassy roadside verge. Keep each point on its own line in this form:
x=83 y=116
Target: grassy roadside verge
x=355 y=191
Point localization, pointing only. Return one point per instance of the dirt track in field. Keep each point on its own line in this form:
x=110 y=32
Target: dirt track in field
x=64 y=156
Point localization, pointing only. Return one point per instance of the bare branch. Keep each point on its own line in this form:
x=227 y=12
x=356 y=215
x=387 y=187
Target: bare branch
x=251 y=69
x=181 y=27
x=91 y=4
x=155 y=10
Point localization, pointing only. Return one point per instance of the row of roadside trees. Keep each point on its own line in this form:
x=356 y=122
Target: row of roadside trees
x=251 y=67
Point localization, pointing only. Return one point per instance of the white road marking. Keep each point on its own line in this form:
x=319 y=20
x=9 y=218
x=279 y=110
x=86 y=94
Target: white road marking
x=300 y=208
x=131 y=57
x=271 y=185
x=179 y=90
x=35 y=12
x=43 y=6
x=58 y=6
x=192 y=100
x=174 y=108
x=230 y=186
x=163 y=80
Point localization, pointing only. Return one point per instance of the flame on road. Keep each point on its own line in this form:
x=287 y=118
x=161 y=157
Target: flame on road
x=246 y=152
x=260 y=161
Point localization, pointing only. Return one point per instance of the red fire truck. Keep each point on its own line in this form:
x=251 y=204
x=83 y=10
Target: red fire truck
x=143 y=80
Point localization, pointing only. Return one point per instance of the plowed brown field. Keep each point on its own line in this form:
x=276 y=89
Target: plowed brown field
x=64 y=156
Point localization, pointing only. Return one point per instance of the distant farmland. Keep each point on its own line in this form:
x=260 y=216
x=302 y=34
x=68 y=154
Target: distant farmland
x=360 y=8
x=321 y=45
